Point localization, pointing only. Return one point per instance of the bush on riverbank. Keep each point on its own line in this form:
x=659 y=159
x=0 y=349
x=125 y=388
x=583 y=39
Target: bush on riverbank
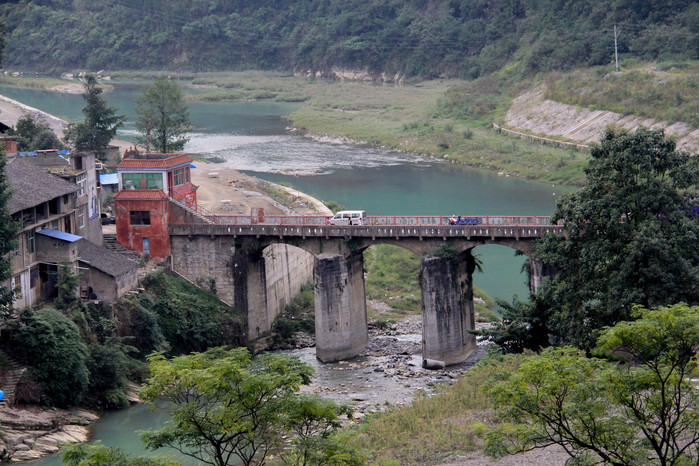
x=453 y=420
x=87 y=356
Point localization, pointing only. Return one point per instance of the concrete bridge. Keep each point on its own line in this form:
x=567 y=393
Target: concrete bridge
x=231 y=249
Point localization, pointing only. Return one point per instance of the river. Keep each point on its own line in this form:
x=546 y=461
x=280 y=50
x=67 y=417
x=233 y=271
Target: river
x=252 y=137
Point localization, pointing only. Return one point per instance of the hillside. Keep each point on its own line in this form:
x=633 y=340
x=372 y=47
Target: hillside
x=377 y=39
x=533 y=113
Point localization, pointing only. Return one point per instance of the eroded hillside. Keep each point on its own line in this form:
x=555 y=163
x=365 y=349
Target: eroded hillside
x=532 y=113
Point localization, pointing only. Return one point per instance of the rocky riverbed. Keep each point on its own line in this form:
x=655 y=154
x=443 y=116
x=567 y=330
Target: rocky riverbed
x=388 y=372
x=32 y=432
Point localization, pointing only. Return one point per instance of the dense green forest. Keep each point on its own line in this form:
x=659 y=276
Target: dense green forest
x=407 y=38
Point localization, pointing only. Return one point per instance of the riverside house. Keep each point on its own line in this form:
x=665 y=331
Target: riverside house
x=147 y=184
x=52 y=212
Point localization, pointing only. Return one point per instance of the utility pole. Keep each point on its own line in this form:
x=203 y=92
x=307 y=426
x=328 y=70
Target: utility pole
x=616 y=54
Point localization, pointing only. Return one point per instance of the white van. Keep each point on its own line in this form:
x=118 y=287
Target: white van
x=349 y=217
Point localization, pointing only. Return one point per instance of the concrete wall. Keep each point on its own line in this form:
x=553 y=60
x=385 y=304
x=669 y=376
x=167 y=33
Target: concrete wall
x=340 y=306
x=287 y=270
x=240 y=277
x=106 y=287
x=55 y=251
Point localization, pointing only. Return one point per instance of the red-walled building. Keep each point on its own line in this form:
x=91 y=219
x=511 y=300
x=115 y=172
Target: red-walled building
x=142 y=206
x=167 y=172
x=142 y=217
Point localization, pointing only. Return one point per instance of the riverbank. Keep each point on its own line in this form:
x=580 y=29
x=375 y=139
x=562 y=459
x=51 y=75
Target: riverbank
x=446 y=119
x=32 y=432
x=226 y=191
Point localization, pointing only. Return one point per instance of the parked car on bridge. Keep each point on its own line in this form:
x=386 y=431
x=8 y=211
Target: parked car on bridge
x=348 y=217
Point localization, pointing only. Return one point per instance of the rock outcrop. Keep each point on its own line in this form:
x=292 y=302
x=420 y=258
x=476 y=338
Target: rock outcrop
x=31 y=433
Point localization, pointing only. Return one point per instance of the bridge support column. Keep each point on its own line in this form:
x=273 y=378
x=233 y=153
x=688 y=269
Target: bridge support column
x=447 y=308
x=249 y=289
x=341 y=323
x=538 y=272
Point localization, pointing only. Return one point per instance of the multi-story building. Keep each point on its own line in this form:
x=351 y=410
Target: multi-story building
x=81 y=169
x=52 y=212
x=142 y=207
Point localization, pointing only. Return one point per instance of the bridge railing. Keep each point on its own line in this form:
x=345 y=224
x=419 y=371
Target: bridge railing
x=385 y=220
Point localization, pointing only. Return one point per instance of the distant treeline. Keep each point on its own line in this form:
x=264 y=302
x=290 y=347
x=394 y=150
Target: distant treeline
x=408 y=38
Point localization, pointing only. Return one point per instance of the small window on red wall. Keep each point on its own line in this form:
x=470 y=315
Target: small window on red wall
x=139 y=217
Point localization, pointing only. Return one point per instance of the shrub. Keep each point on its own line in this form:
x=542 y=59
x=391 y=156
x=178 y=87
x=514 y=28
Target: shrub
x=55 y=353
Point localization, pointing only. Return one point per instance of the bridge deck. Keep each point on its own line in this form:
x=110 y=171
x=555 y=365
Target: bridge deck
x=385 y=220
x=370 y=231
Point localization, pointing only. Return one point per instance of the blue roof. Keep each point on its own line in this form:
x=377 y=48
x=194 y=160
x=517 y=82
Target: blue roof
x=109 y=178
x=60 y=235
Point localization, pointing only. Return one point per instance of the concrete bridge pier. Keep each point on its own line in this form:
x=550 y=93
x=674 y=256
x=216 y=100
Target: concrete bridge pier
x=249 y=288
x=538 y=273
x=447 y=308
x=341 y=322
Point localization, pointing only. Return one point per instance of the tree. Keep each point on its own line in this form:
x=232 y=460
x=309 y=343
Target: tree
x=100 y=124
x=227 y=405
x=56 y=354
x=67 y=283
x=523 y=325
x=163 y=117
x=313 y=420
x=33 y=135
x=621 y=414
x=631 y=236
x=108 y=366
x=8 y=238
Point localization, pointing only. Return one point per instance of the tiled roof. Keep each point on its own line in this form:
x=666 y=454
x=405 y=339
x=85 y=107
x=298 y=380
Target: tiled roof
x=140 y=195
x=184 y=189
x=32 y=185
x=107 y=261
x=154 y=163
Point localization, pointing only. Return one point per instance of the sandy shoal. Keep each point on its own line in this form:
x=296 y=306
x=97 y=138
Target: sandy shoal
x=240 y=193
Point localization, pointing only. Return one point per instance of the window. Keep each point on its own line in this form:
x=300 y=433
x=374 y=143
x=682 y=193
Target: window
x=143 y=180
x=179 y=177
x=81 y=181
x=81 y=218
x=139 y=217
x=30 y=241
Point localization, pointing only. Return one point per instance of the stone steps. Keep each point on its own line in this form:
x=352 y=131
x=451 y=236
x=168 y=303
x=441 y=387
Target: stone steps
x=110 y=242
x=191 y=211
x=13 y=373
